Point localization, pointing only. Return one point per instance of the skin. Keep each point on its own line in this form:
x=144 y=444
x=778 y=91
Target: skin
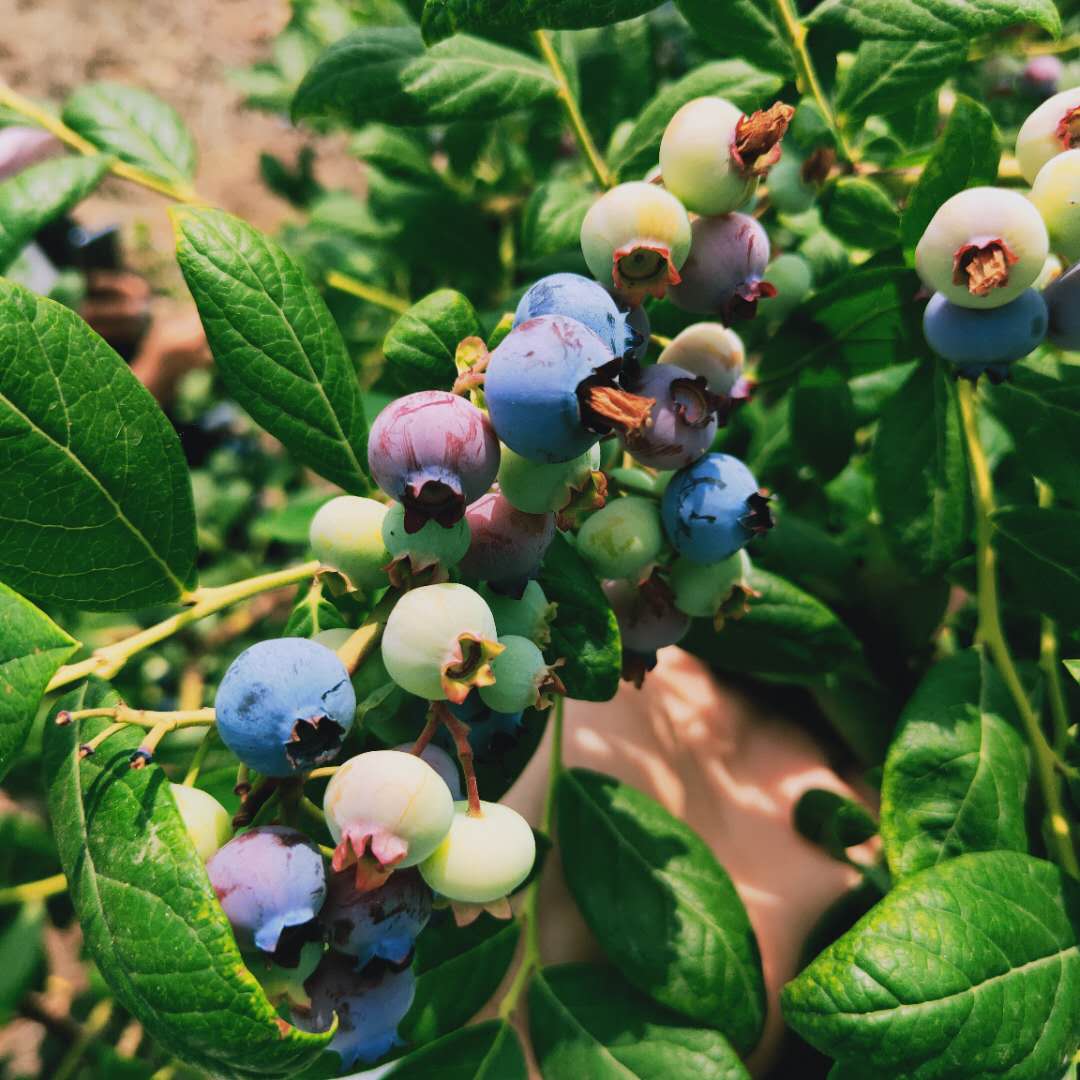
x=734 y=774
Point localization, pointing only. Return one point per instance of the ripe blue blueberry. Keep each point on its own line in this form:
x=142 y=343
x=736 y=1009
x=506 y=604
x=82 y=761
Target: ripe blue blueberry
x=682 y=422
x=368 y=1004
x=285 y=705
x=582 y=299
x=977 y=341
x=551 y=391
x=637 y=318
x=381 y=922
x=266 y=880
x=1052 y=128
x=346 y=533
x=1063 y=305
x=724 y=274
x=434 y=453
x=507 y=544
x=713 y=508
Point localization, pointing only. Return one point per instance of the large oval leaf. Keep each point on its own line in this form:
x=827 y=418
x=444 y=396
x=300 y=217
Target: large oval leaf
x=278 y=349
x=420 y=347
x=956 y=776
x=32 y=647
x=36 y=195
x=148 y=912
x=95 y=496
x=743 y=28
x=934 y=20
x=968 y=969
x=661 y=906
x=586 y=1022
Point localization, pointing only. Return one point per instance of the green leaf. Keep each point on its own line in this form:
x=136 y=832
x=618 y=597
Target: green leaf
x=441 y=18
x=457 y=972
x=488 y=1051
x=385 y=74
x=661 y=906
x=22 y=955
x=32 y=649
x=933 y=20
x=890 y=76
x=420 y=346
x=822 y=419
x=1073 y=668
x=35 y=196
x=148 y=912
x=291 y=523
x=551 y=220
x=585 y=632
x=920 y=472
x=736 y=80
x=968 y=969
x=95 y=496
x=833 y=822
x=586 y=1022
x=276 y=345
x=860 y=213
x=966 y=155
x=135 y=126
x=1040 y=554
x=744 y=28
x=312 y=613
x=956 y=776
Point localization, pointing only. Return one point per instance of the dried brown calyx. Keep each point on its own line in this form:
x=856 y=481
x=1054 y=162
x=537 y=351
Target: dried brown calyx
x=983 y=266
x=756 y=146
x=606 y=407
x=1068 y=129
x=816 y=168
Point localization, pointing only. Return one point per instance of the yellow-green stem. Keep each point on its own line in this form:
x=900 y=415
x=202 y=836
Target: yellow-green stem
x=108 y=660
x=196 y=765
x=145 y=718
x=96 y=1023
x=372 y=293
x=573 y=111
x=34 y=890
x=992 y=634
x=1050 y=659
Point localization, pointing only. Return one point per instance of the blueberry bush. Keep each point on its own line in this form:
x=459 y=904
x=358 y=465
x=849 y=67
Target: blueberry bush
x=744 y=325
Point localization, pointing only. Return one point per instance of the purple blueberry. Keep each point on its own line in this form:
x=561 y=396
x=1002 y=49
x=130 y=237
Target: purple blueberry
x=648 y=620
x=507 y=544
x=713 y=508
x=987 y=340
x=434 y=453
x=266 y=880
x=583 y=299
x=1062 y=298
x=683 y=418
x=723 y=274
x=285 y=705
x=383 y=922
x=369 y=1005
x=1042 y=75
x=550 y=387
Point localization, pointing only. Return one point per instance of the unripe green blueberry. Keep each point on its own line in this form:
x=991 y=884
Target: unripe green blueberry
x=788 y=191
x=537 y=488
x=1052 y=128
x=394 y=803
x=793 y=279
x=712 y=156
x=521 y=677
x=333 y=639
x=346 y=534
x=481 y=858
x=432 y=547
x=623 y=538
x=528 y=616
x=709 y=349
x=439 y=641
x=703 y=591
x=206 y=820
x=983 y=247
x=1056 y=195
x=636 y=237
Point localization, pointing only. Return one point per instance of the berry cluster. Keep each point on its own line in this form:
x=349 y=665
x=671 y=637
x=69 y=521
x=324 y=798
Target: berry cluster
x=994 y=256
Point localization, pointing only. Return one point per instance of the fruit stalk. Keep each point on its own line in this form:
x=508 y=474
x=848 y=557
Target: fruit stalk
x=992 y=635
x=459 y=731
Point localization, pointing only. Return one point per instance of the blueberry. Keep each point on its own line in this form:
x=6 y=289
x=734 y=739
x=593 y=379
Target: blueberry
x=268 y=879
x=622 y=539
x=551 y=390
x=507 y=544
x=713 y=508
x=346 y=533
x=983 y=247
x=368 y=1005
x=482 y=858
x=788 y=190
x=538 y=488
x=1042 y=75
x=1063 y=305
x=434 y=453
x=1056 y=195
x=432 y=549
x=648 y=620
x=441 y=762
x=529 y=615
x=439 y=641
x=712 y=156
x=790 y=275
x=713 y=351
x=636 y=237
x=682 y=422
x=978 y=341
x=637 y=318
x=715 y=591
x=1053 y=127
x=381 y=922
x=522 y=678
x=284 y=706
x=581 y=299
x=206 y=820
x=724 y=273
